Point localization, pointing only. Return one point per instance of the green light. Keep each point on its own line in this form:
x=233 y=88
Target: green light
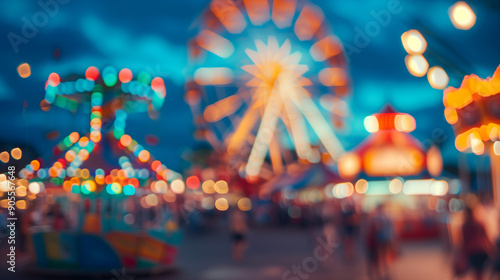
x=85 y=189
x=144 y=78
x=118 y=133
x=109 y=189
x=110 y=80
x=61 y=101
x=75 y=189
x=72 y=105
x=97 y=88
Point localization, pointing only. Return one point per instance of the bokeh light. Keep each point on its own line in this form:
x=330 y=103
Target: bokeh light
x=462 y=16
x=221 y=187
x=16 y=153
x=414 y=42
x=24 y=70
x=221 y=204
x=417 y=65
x=244 y=204
x=437 y=77
x=177 y=186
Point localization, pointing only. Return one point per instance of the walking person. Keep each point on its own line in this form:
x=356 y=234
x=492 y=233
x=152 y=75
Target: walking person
x=238 y=228
x=476 y=244
x=380 y=236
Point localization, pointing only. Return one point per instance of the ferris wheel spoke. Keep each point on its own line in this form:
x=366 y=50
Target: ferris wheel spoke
x=244 y=128
x=296 y=123
x=264 y=135
x=320 y=126
x=275 y=155
x=222 y=108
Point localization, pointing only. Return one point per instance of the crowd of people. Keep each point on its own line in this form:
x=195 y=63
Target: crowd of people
x=473 y=235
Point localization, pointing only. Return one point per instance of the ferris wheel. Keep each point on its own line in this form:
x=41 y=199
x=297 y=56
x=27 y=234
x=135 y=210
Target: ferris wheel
x=266 y=76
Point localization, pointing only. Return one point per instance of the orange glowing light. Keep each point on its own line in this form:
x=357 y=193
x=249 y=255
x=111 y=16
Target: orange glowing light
x=70 y=155
x=221 y=187
x=283 y=12
x=471 y=85
x=144 y=156
x=4 y=156
x=83 y=154
x=16 y=153
x=349 y=165
x=83 y=142
x=308 y=22
x=333 y=77
x=222 y=108
x=24 y=70
x=244 y=204
x=215 y=43
x=393 y=161
x=67 y=186
x=221 y=204
x=52 y=172
x=208 y=187
x=326 y=48
x=35 y=165
x=73 y=137
x=125 y=140
x=451 y=115
x=229 y=15
x=125 y=75
x=95 y=136
x=434 y=161
x=258 y=11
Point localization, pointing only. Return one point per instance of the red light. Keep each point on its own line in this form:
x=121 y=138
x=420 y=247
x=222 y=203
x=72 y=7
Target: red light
x=54 y=79
x=193 y=182
x=125 y=75
x=155 y=165
x=134 y=182
x=92 y=73
x=157 y=83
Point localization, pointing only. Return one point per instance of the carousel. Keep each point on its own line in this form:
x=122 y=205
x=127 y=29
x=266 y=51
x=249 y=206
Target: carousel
x=107 y=198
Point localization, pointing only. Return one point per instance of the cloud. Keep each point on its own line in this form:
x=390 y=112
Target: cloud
x=142 y=52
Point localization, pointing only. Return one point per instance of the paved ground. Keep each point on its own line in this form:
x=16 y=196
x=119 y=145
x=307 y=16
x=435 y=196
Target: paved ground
x=274 y=251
